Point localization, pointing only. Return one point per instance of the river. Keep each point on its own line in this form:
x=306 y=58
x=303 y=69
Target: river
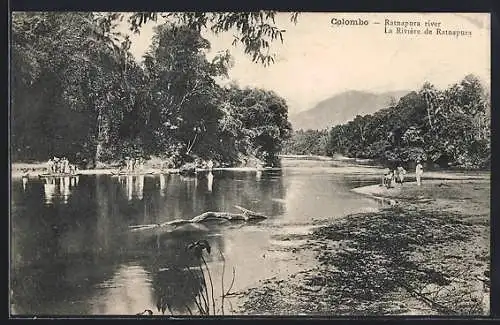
x=73 y=251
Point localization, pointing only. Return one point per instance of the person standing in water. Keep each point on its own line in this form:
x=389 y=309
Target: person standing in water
x=419 y=170
x=210 y=164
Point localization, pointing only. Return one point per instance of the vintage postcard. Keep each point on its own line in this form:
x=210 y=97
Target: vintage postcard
x=249 y=163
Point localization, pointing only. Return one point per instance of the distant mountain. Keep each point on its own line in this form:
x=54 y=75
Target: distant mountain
x=342 y=108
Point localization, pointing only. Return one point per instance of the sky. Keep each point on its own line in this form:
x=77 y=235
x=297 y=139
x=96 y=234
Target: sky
x=318 y=59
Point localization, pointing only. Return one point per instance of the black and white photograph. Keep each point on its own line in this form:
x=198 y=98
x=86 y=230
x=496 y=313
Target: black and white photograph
x=249 y=163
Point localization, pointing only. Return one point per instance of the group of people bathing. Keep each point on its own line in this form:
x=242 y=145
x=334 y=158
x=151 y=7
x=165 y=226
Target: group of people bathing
x=136 y=165
x=133 y=165
x=61 y=166
x=397 y=175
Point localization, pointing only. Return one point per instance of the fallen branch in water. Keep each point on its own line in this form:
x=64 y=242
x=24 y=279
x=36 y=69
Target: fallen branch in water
x=250 y=213
x=247 y=215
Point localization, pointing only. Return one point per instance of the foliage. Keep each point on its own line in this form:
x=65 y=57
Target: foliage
x=78 y=92
x=255 y=123
x=309 y=142
x=254 y=30
x=448 y=127
x=67 y=95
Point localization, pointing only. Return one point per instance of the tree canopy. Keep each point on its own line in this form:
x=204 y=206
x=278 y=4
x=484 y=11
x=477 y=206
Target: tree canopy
x=77 y=90
x=448 y=127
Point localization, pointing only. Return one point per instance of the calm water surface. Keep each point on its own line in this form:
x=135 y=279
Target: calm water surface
x=73 y=253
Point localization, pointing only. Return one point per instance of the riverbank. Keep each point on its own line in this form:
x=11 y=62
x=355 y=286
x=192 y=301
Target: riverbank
x=342 y=165
x=428 y=254
x=35 y=169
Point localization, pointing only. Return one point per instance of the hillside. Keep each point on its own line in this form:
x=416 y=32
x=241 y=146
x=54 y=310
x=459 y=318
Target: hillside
x=341 y=108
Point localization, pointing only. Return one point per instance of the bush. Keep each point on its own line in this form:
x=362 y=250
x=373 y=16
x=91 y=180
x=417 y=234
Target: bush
x=188 y=169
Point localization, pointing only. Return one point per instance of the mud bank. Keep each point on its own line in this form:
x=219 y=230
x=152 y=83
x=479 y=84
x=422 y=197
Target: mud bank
x=426 y=255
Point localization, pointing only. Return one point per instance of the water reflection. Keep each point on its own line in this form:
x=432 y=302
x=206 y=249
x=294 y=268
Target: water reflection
x=25 y=182
x=175 y=272
x=126 y=293
x=176 y=280
x=133 y=186
x=130 y=186
x=258 y=175
x=80 y=257
x=162 y=185
x=65 y=192
x=58 y=187
x=49 y=190
x=139 y=186
x=210 y=181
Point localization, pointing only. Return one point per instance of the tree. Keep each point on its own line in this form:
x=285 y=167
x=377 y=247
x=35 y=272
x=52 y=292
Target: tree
x=264 y=122
x=68 y=77
x=309 y=142
x=184 y=96
x=254 y=30
x=78 y=92
x=444 y=127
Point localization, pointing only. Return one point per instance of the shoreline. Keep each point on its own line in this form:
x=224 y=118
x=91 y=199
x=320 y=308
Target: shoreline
x=113 y=171
x=381 y=192
x=426 y=255
x=40 y=168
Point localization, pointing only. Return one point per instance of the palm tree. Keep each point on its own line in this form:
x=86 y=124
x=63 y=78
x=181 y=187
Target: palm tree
x=429 y=94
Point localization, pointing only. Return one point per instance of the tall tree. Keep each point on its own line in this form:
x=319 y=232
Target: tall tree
x=70 y=63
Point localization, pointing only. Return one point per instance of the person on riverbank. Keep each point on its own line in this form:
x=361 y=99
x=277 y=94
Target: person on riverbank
x=400 y=176
x=137 y=164
x=419 y=170
x=65 y=165
x=57 y=165
x=25 y=173
x=51 y=166
x=127 y=164
x=210 y=164
x=384 y=176
x=133 y=164
x=140 y=166
x=389 y=179
x=386 y=171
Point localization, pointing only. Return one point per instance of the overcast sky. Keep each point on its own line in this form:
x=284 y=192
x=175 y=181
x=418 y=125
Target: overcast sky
x=318 y=60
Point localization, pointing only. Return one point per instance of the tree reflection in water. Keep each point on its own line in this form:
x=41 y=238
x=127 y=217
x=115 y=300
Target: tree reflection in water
x=176 y=289
x=63 y=252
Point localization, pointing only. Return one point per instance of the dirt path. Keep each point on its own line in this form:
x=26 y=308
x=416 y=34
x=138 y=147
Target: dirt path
x=427 y=254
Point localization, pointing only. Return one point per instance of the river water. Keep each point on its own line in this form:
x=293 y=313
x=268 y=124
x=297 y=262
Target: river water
x=73 y=251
